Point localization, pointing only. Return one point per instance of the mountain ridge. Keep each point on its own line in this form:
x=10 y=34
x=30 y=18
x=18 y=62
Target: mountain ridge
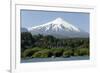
x=58 y=27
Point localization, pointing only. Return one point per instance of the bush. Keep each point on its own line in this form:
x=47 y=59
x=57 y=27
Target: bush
x=26 y=53
x=67 y=53
x=42 y=54
x=30 y=52
x=83 y=51
x=57 y=52
x=76 y=54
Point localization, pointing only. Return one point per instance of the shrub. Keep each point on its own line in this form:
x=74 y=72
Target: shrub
x=27 y=53
x=30 y=52
x=57 y=52
x=83 y=51
x=76 y=52
x=67 y=53
x=42 y=54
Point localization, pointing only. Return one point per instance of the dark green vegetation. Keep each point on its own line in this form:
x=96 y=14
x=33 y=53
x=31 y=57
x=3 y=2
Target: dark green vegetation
x=39 y=46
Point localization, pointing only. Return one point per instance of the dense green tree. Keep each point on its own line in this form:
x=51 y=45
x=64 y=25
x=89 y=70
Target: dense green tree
x=47 y=46
x=27 y=40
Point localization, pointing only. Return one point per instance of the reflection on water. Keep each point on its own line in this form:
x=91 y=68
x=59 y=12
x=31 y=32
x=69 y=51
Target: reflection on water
x=54 y=59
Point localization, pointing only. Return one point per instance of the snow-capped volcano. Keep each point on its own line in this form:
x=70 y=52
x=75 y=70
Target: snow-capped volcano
x=58 y=28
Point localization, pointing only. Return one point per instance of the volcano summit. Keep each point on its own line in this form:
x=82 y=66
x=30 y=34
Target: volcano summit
x=59 y=28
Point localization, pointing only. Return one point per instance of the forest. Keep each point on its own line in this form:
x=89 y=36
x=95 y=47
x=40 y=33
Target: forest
x=39 y=46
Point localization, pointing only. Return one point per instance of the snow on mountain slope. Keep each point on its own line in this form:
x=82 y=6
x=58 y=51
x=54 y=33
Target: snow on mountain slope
x=58 y=27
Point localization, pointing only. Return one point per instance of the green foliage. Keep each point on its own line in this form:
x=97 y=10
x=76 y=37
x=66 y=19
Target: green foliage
x=76 y=52
x=67 y=53
x=83 y=51
x=26 y=40
x=29 y=41
x=42 y=54
x=30 y=52
x=57 y=52
x=48 y=46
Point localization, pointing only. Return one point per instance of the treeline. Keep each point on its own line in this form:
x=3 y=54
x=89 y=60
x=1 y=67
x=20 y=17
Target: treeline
x=47 y=46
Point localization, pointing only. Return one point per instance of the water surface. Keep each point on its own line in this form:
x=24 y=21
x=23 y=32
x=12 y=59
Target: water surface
x=54 y=59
